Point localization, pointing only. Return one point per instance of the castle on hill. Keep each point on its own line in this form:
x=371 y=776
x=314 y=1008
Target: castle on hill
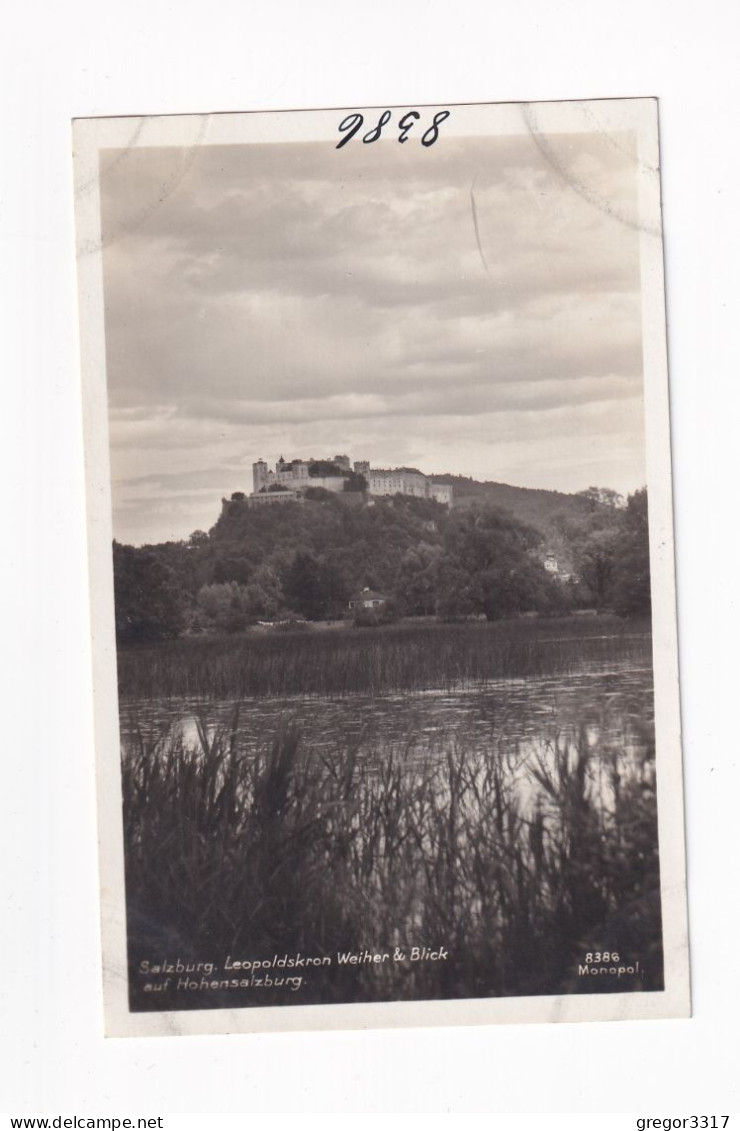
x=289 y=479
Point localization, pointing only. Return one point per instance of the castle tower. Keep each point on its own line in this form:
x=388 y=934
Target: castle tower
x=260 y=475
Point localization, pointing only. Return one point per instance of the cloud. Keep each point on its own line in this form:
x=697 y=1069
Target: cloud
x=260 y=295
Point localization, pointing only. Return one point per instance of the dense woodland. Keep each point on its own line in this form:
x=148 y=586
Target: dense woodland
x=304 y=561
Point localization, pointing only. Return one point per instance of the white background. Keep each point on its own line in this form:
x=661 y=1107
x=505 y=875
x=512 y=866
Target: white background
x=152 y=56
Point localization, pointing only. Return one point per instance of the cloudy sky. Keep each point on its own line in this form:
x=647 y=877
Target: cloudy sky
x=471 y=307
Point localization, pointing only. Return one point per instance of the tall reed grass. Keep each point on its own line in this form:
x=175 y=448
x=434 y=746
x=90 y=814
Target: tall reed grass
x=518 y=862
x=373 y=661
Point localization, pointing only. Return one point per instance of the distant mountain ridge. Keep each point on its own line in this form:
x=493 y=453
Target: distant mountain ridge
x=535 y=505
x=546 y=510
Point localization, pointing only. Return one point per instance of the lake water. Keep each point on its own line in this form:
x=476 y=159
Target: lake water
x=464 y=814
x=612 y=708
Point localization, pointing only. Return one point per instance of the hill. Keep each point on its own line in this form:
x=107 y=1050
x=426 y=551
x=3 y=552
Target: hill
x=309 y=558
x=549 y=512
x=537 y=507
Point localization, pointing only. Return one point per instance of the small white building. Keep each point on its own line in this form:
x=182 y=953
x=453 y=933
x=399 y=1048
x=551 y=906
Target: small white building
x=368 y=599
x=261 y=498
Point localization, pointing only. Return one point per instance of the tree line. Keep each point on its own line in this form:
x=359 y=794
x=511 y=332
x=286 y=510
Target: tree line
x=306 y=561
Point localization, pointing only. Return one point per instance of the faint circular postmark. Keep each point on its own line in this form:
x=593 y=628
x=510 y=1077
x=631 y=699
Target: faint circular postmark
x=133 y=210
x=617 y=210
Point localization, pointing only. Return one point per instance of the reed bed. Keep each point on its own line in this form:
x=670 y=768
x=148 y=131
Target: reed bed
x=517 y=863
x=375 y=661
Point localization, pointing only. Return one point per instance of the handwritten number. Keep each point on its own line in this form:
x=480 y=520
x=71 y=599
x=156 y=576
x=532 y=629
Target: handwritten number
x=354 y=122
x=405 y=125
x=351 y=123
x=433 y=132
x=374 y=134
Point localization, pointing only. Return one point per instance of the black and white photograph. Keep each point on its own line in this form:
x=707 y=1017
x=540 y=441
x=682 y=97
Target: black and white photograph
x=383 y=605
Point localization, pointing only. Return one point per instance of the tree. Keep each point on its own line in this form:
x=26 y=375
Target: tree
x=149 y=602
x=417 y=580
x=453 y=590
x=314 y=588
x=611 y=553
x=264 y=594
x=320 y=468
x=199 y=537
x=225 y=605
x=230 y=568
x=318 y=494
x=354 y=481
x=602 y=497
x=631 y=584
x=487 y=565
x=596 y=555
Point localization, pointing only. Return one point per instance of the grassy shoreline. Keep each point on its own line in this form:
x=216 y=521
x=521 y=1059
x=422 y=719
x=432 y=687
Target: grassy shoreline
x=404 y=656
x=300 y=850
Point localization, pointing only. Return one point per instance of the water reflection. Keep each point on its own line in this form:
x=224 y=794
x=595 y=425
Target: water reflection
x=609 y=709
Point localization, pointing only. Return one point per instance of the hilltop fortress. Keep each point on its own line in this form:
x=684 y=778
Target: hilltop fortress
x=289 y=479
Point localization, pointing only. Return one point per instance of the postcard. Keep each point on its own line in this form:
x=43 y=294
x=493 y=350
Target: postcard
x=381 y=557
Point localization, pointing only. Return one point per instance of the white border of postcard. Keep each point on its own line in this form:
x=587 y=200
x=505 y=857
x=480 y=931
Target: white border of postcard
x=191 y=131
